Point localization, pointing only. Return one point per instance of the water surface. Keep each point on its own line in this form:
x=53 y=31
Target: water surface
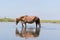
x=49 y=31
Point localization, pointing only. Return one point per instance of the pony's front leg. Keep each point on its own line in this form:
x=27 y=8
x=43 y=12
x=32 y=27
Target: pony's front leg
x=22 y=27
x=25 y=26
x=36 y=25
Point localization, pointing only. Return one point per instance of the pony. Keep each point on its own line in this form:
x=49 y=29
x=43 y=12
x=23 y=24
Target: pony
x=28 y=19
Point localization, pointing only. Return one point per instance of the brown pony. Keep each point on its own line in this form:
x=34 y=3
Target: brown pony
x=28 y=19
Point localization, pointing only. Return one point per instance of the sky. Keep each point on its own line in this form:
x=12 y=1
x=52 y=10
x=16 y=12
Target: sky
x=44 y=9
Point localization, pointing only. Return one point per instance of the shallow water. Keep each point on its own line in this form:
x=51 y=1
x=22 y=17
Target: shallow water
x=48 y=31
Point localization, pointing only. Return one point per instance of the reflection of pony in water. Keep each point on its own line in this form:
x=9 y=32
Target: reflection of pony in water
x=28 y=19
x=29 y=33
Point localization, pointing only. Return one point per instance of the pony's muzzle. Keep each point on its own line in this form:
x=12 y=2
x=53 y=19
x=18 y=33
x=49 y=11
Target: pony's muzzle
x=16 y=23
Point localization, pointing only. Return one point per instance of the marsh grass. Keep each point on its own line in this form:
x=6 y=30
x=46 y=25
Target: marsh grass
x=50 y=21
x=7 y=20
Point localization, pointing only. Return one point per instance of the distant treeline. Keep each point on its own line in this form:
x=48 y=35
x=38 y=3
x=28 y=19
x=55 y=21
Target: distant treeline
x=42 y=21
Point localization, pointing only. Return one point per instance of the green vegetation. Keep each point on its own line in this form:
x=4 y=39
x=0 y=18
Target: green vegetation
x=7 y=20
x=42 y=21
x=50 y=21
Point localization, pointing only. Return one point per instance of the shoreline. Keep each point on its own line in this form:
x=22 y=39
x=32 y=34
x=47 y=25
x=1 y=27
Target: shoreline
x=42 y=21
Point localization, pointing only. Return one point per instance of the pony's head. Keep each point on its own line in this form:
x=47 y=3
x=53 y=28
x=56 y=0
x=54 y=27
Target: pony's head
x=17 y=21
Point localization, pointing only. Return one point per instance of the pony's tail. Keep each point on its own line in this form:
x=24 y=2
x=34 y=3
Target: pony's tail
x=38 y=22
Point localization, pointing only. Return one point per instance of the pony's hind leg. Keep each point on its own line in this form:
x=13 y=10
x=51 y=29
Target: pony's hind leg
x=36 y=25
x=25 y=26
